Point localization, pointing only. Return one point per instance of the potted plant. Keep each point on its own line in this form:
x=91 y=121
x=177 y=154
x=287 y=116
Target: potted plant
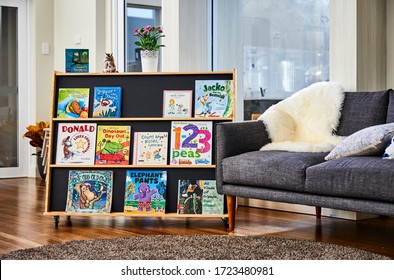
x=149 y=37
x=36 y=134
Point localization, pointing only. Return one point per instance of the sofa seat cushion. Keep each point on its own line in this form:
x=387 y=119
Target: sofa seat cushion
x=365 y=177
x=270 y=169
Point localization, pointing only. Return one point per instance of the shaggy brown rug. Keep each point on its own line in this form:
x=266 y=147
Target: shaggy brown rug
x=201 y=247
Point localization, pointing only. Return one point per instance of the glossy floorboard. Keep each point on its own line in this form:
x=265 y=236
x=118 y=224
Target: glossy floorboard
x=22 y=224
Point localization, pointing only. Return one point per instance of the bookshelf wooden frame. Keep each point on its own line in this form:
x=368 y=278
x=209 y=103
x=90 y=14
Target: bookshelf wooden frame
x=138 y=90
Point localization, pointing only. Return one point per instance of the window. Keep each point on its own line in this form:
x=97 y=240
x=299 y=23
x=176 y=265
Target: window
x=284 y=47
x=137 y=17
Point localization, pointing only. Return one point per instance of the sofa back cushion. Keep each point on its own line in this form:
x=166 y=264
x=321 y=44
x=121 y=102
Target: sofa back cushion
x=390 y=109
x=363 y=109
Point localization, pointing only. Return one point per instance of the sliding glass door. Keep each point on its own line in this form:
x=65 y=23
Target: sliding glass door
x=13 y=88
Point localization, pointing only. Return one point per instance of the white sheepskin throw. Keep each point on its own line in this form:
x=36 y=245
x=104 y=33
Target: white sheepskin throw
x=306 y=121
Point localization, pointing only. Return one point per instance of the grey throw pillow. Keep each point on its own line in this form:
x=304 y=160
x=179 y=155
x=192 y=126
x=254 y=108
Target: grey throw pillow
x=368 y=141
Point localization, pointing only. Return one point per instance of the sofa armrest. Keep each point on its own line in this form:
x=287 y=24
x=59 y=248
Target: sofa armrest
x=234 y=138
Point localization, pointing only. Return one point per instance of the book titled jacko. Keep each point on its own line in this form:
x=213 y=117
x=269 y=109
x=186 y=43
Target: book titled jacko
x=213 y=99
x=145 y=192
x=76 y=143
x=89 y=191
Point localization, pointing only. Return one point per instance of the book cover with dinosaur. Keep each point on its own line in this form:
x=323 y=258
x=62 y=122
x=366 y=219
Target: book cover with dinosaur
x=113 y=144
x=89 y=191
x=213 y=99
x=145 y=192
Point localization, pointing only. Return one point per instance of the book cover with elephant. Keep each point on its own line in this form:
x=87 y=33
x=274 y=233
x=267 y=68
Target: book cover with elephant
x=145 y=192
x=89 y=191
x=213 y=99
x=73 y=103
x=113 y=144
x=76 y=143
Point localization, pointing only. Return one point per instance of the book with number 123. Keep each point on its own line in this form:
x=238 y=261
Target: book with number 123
x=191 y=143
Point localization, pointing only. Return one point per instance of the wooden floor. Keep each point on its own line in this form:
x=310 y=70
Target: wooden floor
x=22 y=224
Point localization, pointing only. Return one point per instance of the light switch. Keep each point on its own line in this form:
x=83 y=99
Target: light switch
x=45 y=48
x=77 y=39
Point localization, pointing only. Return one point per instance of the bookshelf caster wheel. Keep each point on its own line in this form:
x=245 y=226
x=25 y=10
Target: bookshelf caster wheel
x=225 y=222
x=56 y=220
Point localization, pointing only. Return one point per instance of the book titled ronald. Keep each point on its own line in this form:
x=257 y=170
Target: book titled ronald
x=213 y=98
x=113 y=144
x=145 y=192
x=191 y=143
x=89 y=191
x=150 y=148
x=76 y=143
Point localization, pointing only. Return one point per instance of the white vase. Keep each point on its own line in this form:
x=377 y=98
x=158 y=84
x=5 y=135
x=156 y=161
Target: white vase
x=149 y=60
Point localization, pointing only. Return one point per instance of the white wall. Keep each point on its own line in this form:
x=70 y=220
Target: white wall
x=79 y=25
x=390 y=44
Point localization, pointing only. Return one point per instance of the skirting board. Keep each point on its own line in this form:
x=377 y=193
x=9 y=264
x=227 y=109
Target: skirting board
x=303 y=209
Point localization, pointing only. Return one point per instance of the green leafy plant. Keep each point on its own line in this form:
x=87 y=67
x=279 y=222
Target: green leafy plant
x=149 y=37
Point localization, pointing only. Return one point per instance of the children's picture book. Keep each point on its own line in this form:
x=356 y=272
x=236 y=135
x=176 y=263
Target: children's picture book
x=113 y=144
x=150 y=148
x=213 y=98
x=191 y=143
x=89 y=191
x=190 y=196
x=107 y=102
x=73 y=103
x=212 y=201
x=145 y=192
x=177 y=103
x=77 y=60
x=76 y=143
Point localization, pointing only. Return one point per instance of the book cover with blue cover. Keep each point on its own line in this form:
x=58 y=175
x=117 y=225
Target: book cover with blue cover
x=89 y=191
x=77 y=60
x=107 y=102
x=145 y=191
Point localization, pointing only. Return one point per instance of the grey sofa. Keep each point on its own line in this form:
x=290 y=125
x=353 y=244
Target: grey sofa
x=356 y=183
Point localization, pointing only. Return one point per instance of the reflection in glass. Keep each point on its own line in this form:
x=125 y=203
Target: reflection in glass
x=137 y=17
x=8 y=87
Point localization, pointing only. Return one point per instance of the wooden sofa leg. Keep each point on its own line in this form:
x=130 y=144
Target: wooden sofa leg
x=231 y=202
x=318 y=212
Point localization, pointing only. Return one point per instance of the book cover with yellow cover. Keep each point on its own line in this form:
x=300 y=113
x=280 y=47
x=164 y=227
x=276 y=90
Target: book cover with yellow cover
x=113 y=144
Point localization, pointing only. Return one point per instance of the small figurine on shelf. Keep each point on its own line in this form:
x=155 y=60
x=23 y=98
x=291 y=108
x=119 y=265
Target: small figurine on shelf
x=109 y=64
